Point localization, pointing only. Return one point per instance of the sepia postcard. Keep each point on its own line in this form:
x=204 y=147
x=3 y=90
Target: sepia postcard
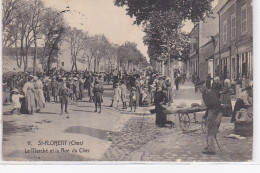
x=127 y=80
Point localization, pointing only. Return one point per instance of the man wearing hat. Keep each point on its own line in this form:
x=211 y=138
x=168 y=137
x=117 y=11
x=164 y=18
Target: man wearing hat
x=132 y=101
x=64 y=97
x=98 y=92
x=76 y=89
x=213 y=116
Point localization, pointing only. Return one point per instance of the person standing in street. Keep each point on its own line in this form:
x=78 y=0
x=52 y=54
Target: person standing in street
x=64 y=97
x=160 y=99
x=98 y=92
x=28 y=90
x=217 y=85
x=208 y=81
x=54 y=89
x=81 y=87
x=38 y=94
x=117 y=96
x=213 y=117
x=123 y=94
x=16 y=101
x=177 y=82
x=132 y=101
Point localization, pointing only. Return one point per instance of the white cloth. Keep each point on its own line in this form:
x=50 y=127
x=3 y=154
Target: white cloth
x=117 y=94
x=16 y=100
x=244 y=97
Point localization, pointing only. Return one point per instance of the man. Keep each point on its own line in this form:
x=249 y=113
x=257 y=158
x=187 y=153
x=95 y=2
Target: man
x=98 y=91
x=213 y=116
x=64 y=97
x=208 y=81
x=81 y=87
x=177 y=81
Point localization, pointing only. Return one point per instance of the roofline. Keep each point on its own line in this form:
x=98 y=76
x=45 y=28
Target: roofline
x=223 y=6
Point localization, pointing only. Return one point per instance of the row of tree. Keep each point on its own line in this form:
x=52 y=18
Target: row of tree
x=162 y=21
x=28 y=24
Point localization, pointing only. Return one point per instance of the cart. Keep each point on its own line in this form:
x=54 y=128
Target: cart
x=185 y=119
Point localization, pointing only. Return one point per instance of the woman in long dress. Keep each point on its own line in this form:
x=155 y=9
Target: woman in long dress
x=38 y=94
x=28 y=91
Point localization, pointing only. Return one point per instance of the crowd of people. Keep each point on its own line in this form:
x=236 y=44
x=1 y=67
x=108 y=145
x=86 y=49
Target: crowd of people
x=29 y=93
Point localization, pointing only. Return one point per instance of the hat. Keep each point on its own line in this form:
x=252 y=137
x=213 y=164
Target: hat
x=35 y=78
x=15 y=90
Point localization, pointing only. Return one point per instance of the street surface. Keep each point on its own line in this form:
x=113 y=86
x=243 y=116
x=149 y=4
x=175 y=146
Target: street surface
x=114 y=135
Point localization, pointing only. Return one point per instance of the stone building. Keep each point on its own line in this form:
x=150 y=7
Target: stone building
x=236 y=40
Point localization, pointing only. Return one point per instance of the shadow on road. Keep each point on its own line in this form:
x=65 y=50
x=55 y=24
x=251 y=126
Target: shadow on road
x=96 y=133
x=10 y=127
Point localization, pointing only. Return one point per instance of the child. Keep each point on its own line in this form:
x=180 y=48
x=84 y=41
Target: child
x=16 y=101
x=132 y=97
x=117 y=95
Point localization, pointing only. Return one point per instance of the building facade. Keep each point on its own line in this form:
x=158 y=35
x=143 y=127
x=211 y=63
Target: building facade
x=236 y=40
x=193 y=61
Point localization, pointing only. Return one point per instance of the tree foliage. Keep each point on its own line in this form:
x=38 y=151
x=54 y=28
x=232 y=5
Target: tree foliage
x=129 y=54
x=162 y=21
x=186 y=9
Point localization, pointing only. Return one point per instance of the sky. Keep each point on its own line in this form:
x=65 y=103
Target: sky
x=103 y=17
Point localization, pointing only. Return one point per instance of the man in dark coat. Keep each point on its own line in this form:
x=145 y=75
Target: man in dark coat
x=98 y=91
x=213 y=117
x=208 y=82
x=64 y=97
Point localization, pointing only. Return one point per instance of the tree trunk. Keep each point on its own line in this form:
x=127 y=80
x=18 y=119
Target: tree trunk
x=35 y=54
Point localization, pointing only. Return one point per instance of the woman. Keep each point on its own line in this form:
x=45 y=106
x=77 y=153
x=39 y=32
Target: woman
x=226 y=98
x=245 y=101
x=160 y=99
x=38 y=94
x=28 y=91
x=217 y=85
x=81 y=88
x=169 y=89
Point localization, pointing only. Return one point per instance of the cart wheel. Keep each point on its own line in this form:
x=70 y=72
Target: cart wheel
x=203 y=125
x=184 y=122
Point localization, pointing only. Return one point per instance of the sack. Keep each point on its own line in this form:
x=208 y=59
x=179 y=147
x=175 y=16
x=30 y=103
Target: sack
x=244 y=115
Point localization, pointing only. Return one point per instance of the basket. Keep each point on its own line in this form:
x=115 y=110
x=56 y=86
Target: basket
x=244 y=128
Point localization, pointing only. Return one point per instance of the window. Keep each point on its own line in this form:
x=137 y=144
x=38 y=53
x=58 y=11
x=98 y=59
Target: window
x=233 y=26
x=194 y=47
x=225 y=31
x=62 y=64
x=244 y=19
